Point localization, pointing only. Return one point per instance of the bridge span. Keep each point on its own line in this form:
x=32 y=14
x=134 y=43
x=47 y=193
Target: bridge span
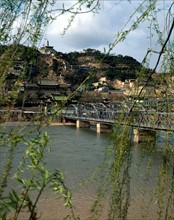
x=141 y=118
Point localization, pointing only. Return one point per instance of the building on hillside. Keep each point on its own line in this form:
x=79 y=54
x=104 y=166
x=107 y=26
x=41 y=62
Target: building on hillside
x=103 y=80
x=47 y=49
x=134 y=89
x=45 y=91
x=83 y=67
x=103 y=89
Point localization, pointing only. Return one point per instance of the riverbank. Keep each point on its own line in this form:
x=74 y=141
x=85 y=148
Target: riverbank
x=27 y=123
x=62 y=124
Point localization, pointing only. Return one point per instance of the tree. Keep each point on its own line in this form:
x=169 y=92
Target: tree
x=24 y=21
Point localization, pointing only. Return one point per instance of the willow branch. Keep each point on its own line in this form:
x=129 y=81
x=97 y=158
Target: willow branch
x=157 y=63
x=70 y=10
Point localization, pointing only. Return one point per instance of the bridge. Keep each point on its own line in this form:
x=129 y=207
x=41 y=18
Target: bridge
x=144 y=116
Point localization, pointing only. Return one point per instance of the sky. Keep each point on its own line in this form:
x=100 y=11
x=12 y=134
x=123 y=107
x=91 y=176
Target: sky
x=97 y=31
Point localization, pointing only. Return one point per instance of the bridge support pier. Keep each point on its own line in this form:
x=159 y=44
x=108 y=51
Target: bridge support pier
x=82 y=124
x=103 y=128
x=64 y=121
x=140 y=135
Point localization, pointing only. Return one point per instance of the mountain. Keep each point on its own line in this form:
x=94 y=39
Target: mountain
x=73 y=67
x=36 y=76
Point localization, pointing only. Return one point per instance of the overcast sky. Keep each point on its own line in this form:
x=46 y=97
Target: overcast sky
x=97 y=31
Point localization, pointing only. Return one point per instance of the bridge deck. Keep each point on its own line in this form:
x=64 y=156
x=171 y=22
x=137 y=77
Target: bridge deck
x=146 y=119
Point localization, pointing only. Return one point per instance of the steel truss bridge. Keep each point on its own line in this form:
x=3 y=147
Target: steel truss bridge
x=147 y=115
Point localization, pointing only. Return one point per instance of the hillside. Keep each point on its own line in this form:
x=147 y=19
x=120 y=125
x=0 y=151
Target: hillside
x=73 y=67
x=102 y=65
x=36 y=76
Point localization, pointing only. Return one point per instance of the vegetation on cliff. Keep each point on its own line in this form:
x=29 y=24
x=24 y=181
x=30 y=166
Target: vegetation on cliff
x=76 y=66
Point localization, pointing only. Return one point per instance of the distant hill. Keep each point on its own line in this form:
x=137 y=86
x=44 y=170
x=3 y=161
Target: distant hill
x=98 y=65
x=73 y=67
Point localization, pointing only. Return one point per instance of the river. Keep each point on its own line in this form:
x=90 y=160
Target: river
x=77 y=153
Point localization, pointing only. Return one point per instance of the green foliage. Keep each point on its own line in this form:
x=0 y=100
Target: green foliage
x=32 y=17
x=37 y=178
x=118 y=67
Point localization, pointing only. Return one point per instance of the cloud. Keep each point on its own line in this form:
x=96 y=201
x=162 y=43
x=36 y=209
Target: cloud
x=88 y=30
x=98 y=31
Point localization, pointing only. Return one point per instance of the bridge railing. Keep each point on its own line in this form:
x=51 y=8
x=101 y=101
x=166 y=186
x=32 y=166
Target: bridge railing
x=156 y=120
x=146 y=119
